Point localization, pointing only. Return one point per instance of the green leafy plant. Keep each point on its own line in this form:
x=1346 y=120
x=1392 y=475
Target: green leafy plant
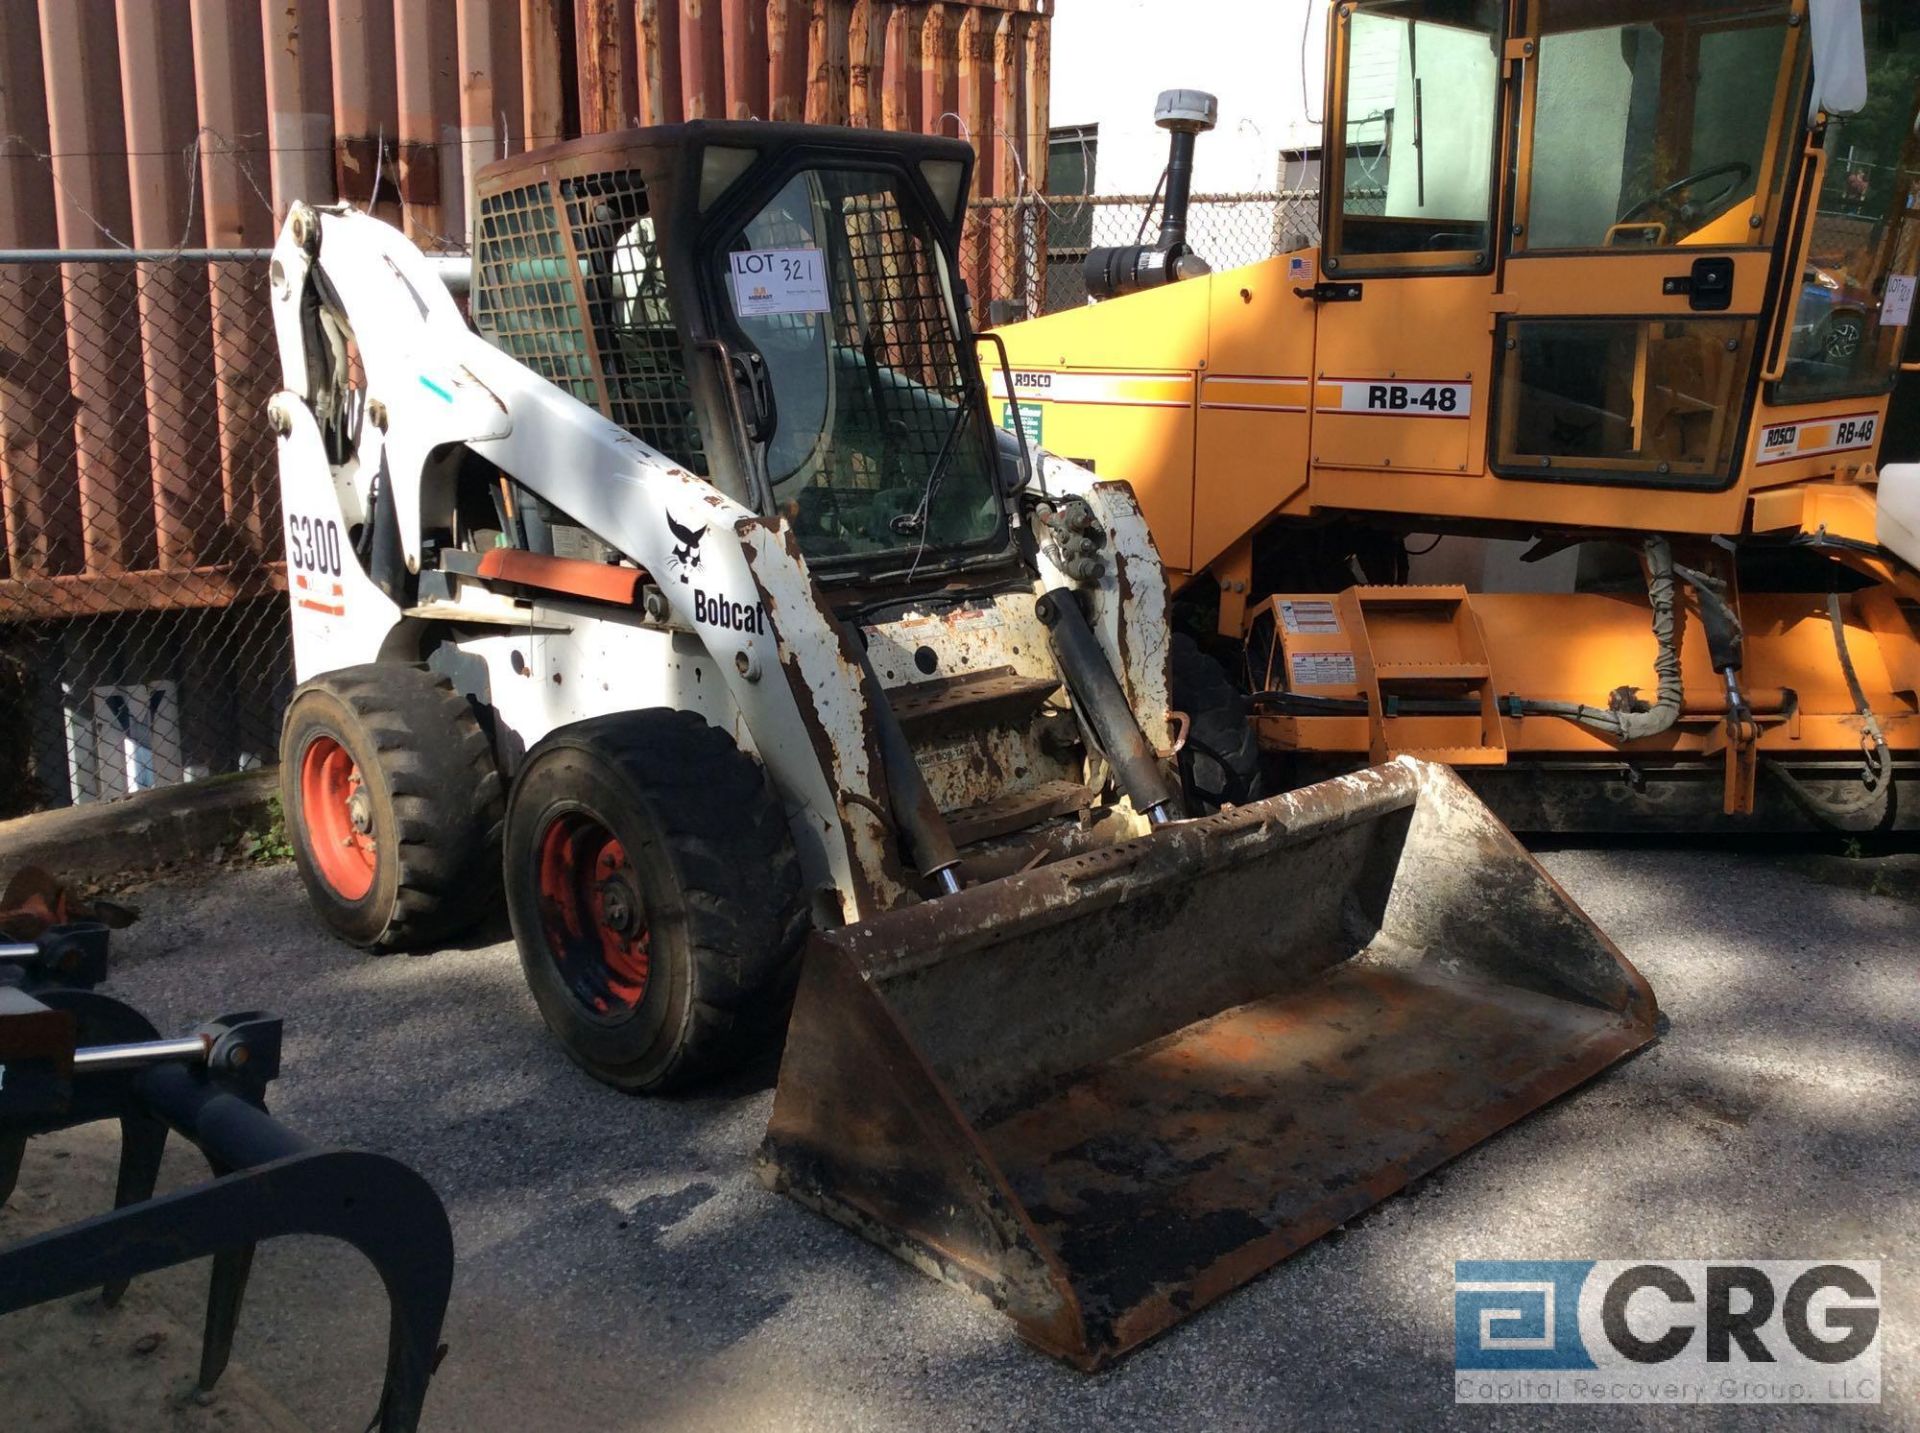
x=270 y=845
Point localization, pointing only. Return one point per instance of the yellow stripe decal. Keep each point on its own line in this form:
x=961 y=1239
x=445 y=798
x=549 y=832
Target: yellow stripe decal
x=1256 y=395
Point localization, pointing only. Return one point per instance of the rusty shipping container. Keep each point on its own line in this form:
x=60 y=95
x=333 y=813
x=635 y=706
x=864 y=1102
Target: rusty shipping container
x=134 y=470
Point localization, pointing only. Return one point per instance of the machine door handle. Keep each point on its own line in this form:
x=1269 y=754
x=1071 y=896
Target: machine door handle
x=750 y=372
x=1331 y=292
x=1708 y=285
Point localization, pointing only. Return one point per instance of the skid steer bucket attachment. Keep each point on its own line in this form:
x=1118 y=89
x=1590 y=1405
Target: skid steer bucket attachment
x=1104 y=1092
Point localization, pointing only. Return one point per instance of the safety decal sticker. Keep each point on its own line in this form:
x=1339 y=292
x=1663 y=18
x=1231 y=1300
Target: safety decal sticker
x=973 y=619
x=1394 y=399
x=1314 y=617
x=1780 y=442
x=1322 y=669
x=332 y=603
x=1030 y=417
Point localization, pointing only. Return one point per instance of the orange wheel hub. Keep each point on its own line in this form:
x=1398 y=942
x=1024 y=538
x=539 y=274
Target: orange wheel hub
x=338 y=813
x=592 y=915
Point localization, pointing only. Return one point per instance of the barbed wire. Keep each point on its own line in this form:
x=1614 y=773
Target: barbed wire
x=191 y=154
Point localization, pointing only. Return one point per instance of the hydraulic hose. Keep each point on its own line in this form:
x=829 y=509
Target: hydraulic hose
x=1873 y=809
x=1876 y=739
x=1663 y=594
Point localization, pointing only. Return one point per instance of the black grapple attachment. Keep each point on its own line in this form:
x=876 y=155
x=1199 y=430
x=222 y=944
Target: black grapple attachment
x=70 y=1055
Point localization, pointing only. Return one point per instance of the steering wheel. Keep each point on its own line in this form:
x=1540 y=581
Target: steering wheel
x=1737 y=170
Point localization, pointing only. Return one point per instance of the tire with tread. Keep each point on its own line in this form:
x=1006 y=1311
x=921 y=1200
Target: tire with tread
x=434 y=794
x=1220 y=763
x=705 y=841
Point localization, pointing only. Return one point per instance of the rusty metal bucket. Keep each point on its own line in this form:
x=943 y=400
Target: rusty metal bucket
x=1105 y=1092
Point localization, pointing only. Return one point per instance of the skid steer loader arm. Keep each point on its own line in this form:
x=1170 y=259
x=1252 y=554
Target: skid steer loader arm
x=1103 y=1093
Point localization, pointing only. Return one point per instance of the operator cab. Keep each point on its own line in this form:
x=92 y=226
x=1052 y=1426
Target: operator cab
x=775 y=308
x=1689 y=225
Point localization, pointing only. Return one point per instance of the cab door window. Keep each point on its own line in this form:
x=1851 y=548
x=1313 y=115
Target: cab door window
x=1656 y=126
x=1418 y=82
x=874 y=447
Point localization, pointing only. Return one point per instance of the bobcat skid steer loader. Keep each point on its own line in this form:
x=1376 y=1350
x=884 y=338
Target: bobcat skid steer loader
x=696 y=592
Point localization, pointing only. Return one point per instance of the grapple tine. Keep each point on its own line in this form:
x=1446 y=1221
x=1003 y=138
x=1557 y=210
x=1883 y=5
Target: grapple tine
x=12 y=1150
x=226 y=1289
x=1104 y=1092
x=143 y=1141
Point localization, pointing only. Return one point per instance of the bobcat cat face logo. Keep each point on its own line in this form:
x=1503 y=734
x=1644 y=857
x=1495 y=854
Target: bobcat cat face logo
x=685 y=556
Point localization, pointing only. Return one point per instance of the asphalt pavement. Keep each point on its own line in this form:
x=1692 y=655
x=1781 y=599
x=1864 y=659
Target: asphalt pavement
x=621 y=1268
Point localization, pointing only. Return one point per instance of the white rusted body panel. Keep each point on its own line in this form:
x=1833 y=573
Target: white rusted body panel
x=1131 y=610
x=340 y=619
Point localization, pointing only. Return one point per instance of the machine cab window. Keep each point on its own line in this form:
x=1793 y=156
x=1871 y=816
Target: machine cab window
x=586 y=307
x=621 y=352
x=1418 y=82
x=1855 y=293
x=858 y=399
x=1653 y=127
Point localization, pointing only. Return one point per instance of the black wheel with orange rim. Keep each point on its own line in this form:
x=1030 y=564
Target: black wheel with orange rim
x=593 y=917
x=339 y=817
x=655 y=898
x=392 y=804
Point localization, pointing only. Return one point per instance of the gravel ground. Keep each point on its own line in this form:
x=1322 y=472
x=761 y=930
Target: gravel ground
x=619 y=1266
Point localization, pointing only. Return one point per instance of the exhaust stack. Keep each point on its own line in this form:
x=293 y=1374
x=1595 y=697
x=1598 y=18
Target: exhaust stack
x=1128 y=268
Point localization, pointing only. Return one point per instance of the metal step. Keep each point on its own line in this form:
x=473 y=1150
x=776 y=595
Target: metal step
x=997 y=694
x=1017 y=810
x=1436 y=628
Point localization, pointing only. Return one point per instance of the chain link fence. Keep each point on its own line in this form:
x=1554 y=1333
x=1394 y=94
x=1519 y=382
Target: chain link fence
x=143 y=628
x=1028 y=252
x=144 y=635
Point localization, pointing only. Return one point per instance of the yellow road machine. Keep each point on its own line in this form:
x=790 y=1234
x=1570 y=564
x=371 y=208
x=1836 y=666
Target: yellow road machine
x=1624 y=284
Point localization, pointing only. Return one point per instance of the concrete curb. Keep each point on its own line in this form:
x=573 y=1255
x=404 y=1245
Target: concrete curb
x=175 y=823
